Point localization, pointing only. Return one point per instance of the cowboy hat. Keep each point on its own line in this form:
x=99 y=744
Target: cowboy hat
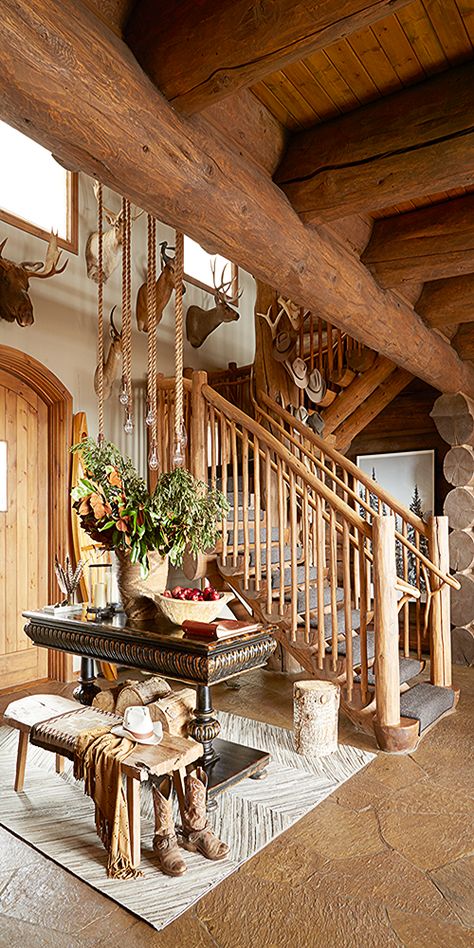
x=316 y=388
x=284 y=346
x=315 y=421
x=298 y=372
x=138 y=726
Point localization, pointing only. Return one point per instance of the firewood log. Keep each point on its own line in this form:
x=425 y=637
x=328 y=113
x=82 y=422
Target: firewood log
x=462 y=601
x=459 y=466
x=141 y=692
x=459 y=507
x=175 y=711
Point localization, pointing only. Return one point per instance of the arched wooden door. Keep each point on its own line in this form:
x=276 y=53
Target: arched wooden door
x=35 y=436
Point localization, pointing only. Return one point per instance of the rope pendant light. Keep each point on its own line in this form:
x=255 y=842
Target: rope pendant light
x=126 y=396
x=180 y=436
x=100 y=317
x=151 y=411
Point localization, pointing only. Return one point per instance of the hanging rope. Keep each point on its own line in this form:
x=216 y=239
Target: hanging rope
x=178 y=350
x=151 y=414
x=100 y=317
x=126 y=393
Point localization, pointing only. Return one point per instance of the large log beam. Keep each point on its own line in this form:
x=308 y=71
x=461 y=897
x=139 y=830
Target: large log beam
x=198 y=53
x=364 y=414
x=445 y=303
x=433 y=243
x=406 y=145
x=73 y=86
x=463 y=342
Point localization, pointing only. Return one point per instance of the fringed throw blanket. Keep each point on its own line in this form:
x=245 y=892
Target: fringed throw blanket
x=98 y=757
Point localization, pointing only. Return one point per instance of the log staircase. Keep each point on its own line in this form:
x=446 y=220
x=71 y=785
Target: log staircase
x=309 y=546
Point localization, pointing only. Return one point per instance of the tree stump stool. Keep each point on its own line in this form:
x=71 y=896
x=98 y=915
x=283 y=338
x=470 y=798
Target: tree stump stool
x=315 y=717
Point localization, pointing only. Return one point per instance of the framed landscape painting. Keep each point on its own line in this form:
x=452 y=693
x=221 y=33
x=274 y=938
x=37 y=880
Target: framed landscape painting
x=408 y=475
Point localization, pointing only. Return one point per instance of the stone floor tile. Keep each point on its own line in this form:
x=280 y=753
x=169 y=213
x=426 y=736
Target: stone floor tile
x=20 y=934
x=416 y=931
x=456 y=882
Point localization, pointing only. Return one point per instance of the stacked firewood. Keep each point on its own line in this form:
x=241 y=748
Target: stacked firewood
x=454 y=419
x=174 y=709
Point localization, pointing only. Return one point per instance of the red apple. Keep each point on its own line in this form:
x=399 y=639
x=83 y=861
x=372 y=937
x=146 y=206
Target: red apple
x=168 y=594
x=176 y=591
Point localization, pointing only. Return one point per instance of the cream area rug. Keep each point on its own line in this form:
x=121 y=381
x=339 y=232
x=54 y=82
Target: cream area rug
x=54 y=816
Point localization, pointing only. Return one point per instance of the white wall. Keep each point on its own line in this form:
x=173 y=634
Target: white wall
x=63 y=336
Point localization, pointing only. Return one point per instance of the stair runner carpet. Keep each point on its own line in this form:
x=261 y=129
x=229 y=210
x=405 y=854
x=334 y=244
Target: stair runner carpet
x=54 y=816
x=426 y=703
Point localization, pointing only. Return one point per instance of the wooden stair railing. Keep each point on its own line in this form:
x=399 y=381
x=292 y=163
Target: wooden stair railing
x=300 y=546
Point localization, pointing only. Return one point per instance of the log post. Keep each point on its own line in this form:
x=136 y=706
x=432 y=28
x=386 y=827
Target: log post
x=198 y=427
x=387 y=678
x=440 y=617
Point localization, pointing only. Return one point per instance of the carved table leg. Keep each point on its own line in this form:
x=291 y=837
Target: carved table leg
x=204 y=727
x=87 y=688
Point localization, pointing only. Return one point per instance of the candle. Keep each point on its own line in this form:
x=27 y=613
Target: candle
x=100 y=599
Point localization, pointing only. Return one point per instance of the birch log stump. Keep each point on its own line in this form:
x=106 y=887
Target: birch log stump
x=315 y=715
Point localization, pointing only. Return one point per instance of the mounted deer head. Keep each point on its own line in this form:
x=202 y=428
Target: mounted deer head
x=15 y=303
x=112 y=360
x=201 y=322
x=112 y=240
x=164 y=289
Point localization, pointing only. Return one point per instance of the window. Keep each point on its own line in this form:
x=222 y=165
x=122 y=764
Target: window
x=36 y=193
x=198 y=266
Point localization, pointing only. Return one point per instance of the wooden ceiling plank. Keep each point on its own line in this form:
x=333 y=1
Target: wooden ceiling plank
x=367 y=48
x=450 y=30
x=287 y=93
x=335 y=85
x=375 y=157
x=444 y=303
x=313 y=92
x=429 y=244
x=466 y=11
x=197 y=53
x=192 y=179
x=420 y=33
x=352 y=70
x=399 y=50
x=276 y=107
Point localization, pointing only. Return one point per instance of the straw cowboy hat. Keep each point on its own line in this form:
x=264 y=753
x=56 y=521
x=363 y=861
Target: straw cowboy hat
x=138 y=726
x=284 y=347
x=298 y=372
x=316 y=388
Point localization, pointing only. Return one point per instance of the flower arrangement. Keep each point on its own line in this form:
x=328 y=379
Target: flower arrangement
x=116 y=509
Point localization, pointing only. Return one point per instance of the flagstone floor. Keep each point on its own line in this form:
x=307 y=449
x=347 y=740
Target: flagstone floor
x=387 y=860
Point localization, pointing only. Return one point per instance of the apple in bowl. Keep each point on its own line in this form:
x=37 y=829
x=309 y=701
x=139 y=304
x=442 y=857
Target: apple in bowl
x=184 y=602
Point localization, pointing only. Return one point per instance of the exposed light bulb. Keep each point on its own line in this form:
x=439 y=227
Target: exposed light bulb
x=128 y=426
x=123 y=397
x=183 y=435
x=153 y=463
x=150 y=418
x=178 y=455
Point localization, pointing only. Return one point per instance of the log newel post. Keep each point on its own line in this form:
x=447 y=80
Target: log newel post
x=387 y=688
x=440 y=616
x=198 y=452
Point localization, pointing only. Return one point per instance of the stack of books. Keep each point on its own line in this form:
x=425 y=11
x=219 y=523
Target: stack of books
x=221 y=629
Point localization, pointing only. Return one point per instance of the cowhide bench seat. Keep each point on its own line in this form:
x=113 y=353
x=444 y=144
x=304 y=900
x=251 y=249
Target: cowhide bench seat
x=53 y=723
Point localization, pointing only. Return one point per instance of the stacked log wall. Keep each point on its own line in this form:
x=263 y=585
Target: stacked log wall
x=454 y=419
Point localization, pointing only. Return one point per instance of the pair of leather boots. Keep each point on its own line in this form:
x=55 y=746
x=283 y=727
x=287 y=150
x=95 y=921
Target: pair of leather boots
x=195 y=834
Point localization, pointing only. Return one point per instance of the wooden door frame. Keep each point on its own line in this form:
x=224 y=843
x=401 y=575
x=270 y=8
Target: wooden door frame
x=58 y=401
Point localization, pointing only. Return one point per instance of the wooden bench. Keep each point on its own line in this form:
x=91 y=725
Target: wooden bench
x=53 y=723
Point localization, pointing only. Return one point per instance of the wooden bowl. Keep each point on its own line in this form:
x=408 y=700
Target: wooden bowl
x=178 y=610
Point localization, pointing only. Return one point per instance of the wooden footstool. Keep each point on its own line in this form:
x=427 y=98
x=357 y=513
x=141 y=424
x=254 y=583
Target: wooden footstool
x=53 y=723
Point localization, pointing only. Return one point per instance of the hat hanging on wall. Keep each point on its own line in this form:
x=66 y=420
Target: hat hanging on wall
x=284 y=347
x=316 y=388
x=298 y=372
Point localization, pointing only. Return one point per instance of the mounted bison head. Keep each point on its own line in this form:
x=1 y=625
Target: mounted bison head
x=15 y=304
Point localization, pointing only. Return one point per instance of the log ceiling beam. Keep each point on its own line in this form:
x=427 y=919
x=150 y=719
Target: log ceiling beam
x=463 y=341
x=445 y=303
x=365 y=413
x=200 y=52
x=72 y=85
x=404 y=146
x=433 y=243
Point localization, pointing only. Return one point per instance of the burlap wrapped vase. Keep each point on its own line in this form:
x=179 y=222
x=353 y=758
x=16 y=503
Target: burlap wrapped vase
x=136 y=592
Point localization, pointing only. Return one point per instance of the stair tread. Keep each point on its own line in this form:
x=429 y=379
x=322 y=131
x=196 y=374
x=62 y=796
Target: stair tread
x=300 y=575
x=275 y=554
x=313 y=598
x=250 y=514
x=274 y=534
x=426 y=703
x=408 y=668
x=341 y=646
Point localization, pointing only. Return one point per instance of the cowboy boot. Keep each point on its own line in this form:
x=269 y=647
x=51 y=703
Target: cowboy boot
x=165 y=843
x=196 y=834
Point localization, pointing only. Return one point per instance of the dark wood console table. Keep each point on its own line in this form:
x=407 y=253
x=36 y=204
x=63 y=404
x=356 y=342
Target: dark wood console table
x=160 y=647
